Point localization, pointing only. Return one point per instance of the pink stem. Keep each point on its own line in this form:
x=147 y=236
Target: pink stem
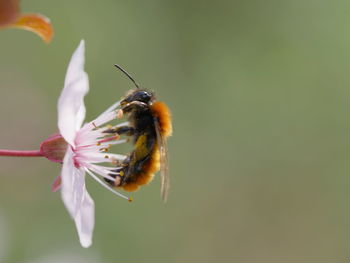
x=35 y=153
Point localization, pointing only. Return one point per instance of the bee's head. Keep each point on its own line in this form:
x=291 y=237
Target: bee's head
x=137 y=95
x=136 y=100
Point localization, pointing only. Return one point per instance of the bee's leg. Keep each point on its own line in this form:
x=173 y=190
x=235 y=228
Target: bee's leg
x=123 y=130
x=122 y=177
x=119 y=174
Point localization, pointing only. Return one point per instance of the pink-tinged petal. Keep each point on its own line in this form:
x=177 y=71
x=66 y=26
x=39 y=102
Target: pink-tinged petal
x=73 y=184
x=85 y=220
x=56 y=184
x=71 y=109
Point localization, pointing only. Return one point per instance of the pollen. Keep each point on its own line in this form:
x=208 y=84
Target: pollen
x=120 y=114
x=114 y=161
x=104 y=149
x=117 y=181
x=121 y=173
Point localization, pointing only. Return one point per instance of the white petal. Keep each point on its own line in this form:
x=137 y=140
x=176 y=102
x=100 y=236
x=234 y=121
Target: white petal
x=73 y=184
x=85 y=220
x=71 y=109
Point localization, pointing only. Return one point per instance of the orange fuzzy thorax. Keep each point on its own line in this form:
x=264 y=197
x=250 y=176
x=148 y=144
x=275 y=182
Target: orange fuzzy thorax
x=162 y=112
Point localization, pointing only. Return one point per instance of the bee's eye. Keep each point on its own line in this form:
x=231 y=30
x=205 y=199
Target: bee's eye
x=142 y=96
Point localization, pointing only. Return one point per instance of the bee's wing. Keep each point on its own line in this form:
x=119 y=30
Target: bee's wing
x=164 y=163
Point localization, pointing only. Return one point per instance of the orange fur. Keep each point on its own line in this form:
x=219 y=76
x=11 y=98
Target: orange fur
x=162 y=112
x=151 y=167
x=131 y=187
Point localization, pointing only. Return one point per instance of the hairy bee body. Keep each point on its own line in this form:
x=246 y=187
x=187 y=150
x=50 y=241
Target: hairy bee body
x=149 y=126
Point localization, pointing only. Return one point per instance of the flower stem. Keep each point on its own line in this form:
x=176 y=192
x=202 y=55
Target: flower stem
x=35 y=153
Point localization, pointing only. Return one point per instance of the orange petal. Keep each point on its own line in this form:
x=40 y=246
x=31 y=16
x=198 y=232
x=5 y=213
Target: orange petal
x=9 y=10
x=36 y=23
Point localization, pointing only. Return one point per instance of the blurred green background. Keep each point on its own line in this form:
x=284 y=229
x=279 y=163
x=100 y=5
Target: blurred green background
x=259 y=160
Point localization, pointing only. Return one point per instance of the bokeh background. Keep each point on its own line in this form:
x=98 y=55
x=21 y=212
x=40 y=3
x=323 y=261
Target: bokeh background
x=259 y=92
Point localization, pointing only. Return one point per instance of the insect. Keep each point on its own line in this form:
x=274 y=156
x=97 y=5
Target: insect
x=149 y=126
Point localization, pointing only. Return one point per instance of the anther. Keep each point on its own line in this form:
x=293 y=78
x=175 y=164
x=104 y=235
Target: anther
x=117 y=181
x=115 y=161
x=130 y=199
x=120 y=114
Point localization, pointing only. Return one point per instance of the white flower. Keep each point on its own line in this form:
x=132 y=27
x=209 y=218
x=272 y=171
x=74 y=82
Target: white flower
x=86 y=151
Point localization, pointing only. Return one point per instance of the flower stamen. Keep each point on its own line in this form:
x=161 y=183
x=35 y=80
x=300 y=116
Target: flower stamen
x=105 y=185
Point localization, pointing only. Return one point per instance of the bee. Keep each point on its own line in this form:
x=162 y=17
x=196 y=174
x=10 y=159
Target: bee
x=149 y=126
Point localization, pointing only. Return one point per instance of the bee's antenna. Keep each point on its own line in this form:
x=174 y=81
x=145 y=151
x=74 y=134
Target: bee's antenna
x=127 y=74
